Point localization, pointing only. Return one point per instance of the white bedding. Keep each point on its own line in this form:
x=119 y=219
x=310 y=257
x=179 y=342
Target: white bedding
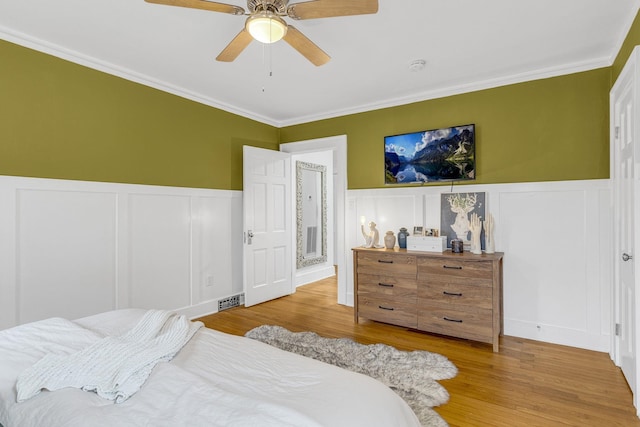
x=217 y=379
x=114 y=367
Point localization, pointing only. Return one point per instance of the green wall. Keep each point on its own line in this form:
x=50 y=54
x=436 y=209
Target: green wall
x=544 y=130
x=62 y=120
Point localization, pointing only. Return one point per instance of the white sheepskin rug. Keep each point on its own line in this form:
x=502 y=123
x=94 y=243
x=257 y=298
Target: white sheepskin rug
x=412 y=375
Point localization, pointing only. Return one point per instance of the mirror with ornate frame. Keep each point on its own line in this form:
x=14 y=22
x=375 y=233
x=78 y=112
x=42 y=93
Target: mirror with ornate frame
x=311 y=214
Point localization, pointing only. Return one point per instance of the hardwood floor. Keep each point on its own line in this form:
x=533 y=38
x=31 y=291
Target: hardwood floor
x=528 y=383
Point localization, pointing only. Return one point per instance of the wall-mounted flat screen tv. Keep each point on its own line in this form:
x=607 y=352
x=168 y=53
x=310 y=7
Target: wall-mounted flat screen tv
x=446 y=154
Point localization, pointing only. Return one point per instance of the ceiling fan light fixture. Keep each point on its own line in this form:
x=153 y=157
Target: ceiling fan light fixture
x=266 y=27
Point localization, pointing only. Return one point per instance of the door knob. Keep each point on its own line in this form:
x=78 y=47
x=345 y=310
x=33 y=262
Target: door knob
x=626 y=257
x=250 y=235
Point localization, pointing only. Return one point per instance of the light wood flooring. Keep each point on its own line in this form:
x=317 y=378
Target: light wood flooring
x=528 y=383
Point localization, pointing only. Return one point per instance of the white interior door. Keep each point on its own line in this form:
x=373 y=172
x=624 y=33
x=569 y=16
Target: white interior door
x=268 y=225
x=625 y=187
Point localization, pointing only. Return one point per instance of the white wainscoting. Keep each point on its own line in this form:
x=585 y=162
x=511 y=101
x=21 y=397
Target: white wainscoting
x=557 y=245
x=75 y=248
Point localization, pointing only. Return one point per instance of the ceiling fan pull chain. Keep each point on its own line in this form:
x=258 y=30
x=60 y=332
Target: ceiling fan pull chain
x=270 y=61
x=267 y=67
x=264 y=66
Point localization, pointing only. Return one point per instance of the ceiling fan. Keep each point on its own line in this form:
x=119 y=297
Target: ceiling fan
x=266 y=24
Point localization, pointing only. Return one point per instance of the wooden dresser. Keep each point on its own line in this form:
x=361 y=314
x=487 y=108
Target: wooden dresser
x=451 y=294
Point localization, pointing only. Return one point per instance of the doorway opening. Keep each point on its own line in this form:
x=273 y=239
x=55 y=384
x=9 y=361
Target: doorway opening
x=338 y=145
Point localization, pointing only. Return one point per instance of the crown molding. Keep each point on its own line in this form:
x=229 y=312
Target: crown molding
x=115 y=70
x=103 y=66
x=624 y=32
x=540 y=74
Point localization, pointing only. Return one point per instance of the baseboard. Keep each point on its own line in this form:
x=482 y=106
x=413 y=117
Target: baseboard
x=556 y=335
x=199 y=310
x=305 y=277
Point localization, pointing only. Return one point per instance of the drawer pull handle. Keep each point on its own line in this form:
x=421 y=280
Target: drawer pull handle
x=452 y=267
x=385 y=262
x=385 y=308
x=386 y=285
x=452 y=320
x=452 y=294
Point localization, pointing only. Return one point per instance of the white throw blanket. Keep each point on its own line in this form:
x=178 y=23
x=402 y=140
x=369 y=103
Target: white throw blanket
x=114 y=367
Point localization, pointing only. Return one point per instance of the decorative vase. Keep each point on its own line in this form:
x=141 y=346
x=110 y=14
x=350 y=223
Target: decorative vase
x=402 y=238
x=389 y=240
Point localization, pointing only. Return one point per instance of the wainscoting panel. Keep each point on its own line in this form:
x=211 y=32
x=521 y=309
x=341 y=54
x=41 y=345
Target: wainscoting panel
x=75 y=248
x=159 y=251
x=65 y=251
x=557 y=245
x=215 y=222
x=547 y=273
x=602 y=271
x=391 y=212
x=557 y=242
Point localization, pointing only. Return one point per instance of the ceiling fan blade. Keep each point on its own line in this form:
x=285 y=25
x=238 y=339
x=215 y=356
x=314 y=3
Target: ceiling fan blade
x=306 y=47
x=330 y=8
x=202 y=4
x=235 y=47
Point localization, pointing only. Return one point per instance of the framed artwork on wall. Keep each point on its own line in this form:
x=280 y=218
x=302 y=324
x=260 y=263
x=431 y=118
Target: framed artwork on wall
x=455 y=213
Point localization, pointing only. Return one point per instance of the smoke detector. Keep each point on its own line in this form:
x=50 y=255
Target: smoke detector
x=417 y=65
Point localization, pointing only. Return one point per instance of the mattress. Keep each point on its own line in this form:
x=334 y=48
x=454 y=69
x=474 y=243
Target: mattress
x=216 y=379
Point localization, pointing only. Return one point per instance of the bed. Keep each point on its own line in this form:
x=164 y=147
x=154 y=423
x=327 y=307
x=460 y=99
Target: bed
x=216 y=379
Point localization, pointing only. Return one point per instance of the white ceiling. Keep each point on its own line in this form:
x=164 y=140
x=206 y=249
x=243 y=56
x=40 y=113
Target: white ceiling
x=467 y=45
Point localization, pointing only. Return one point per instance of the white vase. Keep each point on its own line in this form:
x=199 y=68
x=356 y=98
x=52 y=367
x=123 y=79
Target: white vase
x=389 y=240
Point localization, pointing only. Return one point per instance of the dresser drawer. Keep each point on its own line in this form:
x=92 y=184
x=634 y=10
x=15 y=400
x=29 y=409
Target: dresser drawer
x=473 y=324
x=447 y=270
x=452 y=295
x=386 y=264
x=387 y=286
x=396 y=311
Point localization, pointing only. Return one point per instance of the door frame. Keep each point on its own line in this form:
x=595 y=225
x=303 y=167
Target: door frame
x=338 y=144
